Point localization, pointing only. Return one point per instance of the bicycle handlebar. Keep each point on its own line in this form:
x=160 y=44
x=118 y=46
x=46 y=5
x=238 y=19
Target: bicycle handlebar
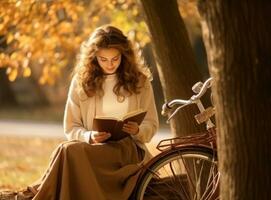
x=207 y=84
x=194 y=99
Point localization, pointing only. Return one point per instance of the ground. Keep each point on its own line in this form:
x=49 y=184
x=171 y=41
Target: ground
x=25 y=156
x=23 y=160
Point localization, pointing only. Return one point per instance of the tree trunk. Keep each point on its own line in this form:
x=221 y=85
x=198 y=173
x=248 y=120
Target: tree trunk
x=7 y=96
x=237 y=37
x=176 y=63
x=42 y=97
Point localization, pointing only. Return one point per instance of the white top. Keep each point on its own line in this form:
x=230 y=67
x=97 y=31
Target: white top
x=110 y=105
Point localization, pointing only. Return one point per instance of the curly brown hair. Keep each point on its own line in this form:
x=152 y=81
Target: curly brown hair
x=131 y=72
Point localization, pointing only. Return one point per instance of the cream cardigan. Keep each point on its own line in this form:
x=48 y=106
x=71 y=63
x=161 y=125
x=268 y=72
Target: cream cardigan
x=80 y=111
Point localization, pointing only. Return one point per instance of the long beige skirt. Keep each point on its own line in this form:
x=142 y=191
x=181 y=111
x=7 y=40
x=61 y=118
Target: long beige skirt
x=81 y=171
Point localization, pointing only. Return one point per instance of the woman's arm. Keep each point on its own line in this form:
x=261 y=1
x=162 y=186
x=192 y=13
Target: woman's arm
x=150 y=124
x=73 y=125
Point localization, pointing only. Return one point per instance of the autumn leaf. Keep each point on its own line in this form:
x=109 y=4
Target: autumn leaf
x=10 y=37
x=27 y=72
x=13 y=75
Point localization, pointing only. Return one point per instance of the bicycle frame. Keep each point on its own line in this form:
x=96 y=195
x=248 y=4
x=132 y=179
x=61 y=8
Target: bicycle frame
x=203 y=143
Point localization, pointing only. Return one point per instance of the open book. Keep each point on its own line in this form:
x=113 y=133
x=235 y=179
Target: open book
x=114 y=125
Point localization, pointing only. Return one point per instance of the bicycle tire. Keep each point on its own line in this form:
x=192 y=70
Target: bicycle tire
x=181 y=183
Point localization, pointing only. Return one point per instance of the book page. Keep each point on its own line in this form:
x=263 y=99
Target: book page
x=107 y=117
x=132 y=113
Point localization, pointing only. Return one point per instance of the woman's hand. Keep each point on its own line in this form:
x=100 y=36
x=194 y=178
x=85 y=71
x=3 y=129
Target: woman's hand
x=98 y=137
x=131 y=128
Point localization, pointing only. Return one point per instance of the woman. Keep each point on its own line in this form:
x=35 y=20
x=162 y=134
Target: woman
x=108 y=80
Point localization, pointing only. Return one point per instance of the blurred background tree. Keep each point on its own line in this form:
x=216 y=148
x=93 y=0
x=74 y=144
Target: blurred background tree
x=177 y=64
x=39 y=41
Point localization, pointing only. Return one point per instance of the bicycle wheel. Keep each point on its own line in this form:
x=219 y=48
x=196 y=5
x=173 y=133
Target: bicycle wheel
x=183 y=174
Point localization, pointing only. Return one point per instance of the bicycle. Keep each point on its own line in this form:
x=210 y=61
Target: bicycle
x=186 y=168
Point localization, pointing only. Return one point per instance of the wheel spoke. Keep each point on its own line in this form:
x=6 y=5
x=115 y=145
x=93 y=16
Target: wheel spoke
x=183 y=174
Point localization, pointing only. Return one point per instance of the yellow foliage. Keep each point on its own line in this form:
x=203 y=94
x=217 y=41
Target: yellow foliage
x=2 y=26
x=12 y=75
x=42 y=80
x=62 y=63
x=2 y=56
x=49 y=33
x=50 y=80
x=9 y=69
x=110 y=6
x=65 y=27
x=25 y=63
x=55 y=70
x=45 y=70
x=10 y=37
x=95 y=19
x=135 y=12
x=27 y=72
x=14 y=56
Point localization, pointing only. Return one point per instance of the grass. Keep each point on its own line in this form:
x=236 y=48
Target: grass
x=23 y=160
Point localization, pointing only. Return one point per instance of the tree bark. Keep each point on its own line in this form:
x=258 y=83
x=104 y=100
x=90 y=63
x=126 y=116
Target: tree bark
x=177 y=66
x=237 y=38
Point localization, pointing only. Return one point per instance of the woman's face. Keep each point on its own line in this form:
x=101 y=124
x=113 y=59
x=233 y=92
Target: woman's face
x=109 y=59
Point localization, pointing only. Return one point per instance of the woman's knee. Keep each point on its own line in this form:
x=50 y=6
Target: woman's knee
x=72 y=146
